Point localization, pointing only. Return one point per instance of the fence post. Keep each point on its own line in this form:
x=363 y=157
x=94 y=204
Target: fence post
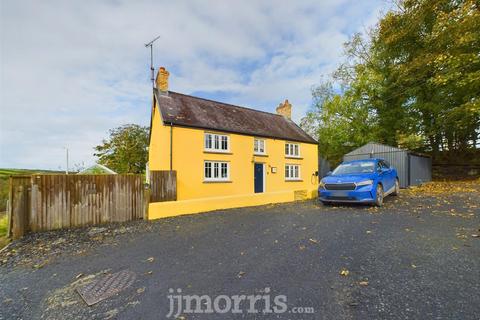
x=19 y=211
x=9 y=219
x=9 y=207
x=146 y=202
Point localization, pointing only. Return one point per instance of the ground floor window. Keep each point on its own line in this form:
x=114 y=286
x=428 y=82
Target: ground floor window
x=216 y=171
x=292 y=172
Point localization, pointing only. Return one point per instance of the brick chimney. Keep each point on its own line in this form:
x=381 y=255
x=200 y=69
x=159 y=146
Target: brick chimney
x=162 y=79
x=285 y=109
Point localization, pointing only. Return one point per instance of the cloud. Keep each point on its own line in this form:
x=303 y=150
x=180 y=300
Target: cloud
x=72 y=70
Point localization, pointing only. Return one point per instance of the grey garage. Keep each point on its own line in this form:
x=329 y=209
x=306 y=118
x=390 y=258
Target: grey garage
x=413 y=168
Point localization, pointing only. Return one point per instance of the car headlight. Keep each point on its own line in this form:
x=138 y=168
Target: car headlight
x=365 y=183
x=321 y=184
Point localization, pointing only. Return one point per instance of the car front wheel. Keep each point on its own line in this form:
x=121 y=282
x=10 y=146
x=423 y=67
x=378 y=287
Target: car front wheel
x=379 y=196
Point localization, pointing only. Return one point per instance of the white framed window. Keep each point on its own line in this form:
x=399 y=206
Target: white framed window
x=217 y=142
x=216 y=171
x=292 y=150
x=259 y=146
x=292 y=172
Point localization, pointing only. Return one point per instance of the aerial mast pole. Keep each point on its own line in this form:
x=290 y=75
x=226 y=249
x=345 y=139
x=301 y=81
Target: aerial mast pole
x=152 y=69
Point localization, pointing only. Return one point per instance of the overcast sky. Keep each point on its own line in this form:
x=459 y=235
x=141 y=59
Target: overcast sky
x=71 y=70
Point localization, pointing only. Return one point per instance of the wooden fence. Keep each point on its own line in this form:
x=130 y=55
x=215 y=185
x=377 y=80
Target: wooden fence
x=47 y=202
x=163 y=186
x=19 y=205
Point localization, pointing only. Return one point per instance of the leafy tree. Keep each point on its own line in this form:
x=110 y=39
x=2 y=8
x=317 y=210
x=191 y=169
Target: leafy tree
x=338 y=121
x=413 y=81
x=126 y=149
x=427 y=52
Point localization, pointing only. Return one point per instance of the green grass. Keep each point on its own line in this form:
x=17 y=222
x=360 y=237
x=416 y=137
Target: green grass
x=3 y=224
x=5 y=173
x=3 y=230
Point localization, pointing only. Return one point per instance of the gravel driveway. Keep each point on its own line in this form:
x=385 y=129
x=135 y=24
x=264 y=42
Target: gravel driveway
x=417 y=257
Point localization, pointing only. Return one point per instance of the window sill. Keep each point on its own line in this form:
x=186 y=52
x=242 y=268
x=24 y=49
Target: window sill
x=293 y=157
x=293 y=180
x=219 y=181
x=260 y=155
x=217 y=152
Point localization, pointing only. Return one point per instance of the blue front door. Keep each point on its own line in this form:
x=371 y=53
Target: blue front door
x=258 y=173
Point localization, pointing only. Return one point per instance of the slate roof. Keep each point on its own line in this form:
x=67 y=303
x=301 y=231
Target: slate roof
x=188 y=111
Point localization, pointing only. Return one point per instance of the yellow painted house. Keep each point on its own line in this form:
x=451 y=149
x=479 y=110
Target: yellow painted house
x=227 y=156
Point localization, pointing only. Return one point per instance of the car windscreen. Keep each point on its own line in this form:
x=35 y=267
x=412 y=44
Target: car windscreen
x=355 y=167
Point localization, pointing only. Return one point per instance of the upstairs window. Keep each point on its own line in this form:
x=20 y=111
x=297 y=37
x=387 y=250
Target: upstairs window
x=292 y=172
x=259 y=146
x=217 y=142
x=292 y=150
x=216 y=171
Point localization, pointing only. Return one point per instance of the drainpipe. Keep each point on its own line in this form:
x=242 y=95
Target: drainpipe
x=171 y=144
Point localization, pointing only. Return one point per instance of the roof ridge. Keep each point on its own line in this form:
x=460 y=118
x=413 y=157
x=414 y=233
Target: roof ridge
x=227 y=104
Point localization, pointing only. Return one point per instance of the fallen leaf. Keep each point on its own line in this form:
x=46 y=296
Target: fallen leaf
x=79 y=276
x=368 y=231
x=141 y=290
x=344 y=272
x=151 y=259
x=475 y=235
x=301 y=247
x=241 y=274
x=313 y=240
x=363 y=283
x=40 y=265
x=413 y=266
x=111 y=314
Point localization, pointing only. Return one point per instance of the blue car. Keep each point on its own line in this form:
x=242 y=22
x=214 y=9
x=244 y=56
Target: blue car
x=362 y=181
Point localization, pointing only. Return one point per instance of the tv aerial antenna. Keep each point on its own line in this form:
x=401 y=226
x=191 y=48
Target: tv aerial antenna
x=152 y=69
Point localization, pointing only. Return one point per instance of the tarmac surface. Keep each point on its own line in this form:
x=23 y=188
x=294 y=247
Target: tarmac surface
x=418 y=257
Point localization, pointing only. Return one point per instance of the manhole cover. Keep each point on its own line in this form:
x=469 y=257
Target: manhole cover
x=107 y=286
